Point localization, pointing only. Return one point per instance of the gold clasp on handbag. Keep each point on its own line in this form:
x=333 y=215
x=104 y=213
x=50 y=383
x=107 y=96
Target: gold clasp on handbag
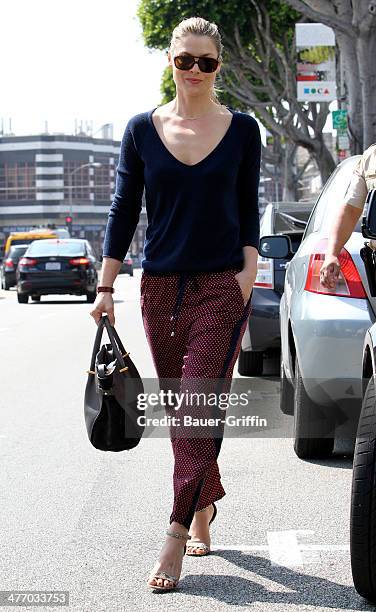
x=90 y=372
x=123 y=369
x=126 y=354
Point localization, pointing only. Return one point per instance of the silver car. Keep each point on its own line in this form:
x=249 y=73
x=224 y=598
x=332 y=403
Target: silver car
x=322 y=330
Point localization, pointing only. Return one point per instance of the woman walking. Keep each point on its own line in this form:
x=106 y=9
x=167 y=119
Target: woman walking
x=199 y=162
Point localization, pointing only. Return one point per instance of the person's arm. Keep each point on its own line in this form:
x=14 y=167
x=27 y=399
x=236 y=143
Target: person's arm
x=248 y=186
x=122 y=221
x=126 y=206
x=343 y=226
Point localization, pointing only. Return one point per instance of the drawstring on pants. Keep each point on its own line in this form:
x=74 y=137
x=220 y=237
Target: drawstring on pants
x=183 y=277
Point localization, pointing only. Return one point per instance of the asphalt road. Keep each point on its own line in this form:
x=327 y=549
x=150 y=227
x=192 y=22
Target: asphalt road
x=76 y=519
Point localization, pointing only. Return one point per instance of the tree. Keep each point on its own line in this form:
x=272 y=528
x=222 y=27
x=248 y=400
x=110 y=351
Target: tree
x=354 y=23
x=258 y=72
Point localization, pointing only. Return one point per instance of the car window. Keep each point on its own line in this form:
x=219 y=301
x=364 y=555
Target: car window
x=22 y=241
x=331 y=196
x=17 y=251
x=291 y=219
x=44 y=248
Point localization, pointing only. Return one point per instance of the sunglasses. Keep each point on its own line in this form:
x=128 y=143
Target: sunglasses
x=186 y=62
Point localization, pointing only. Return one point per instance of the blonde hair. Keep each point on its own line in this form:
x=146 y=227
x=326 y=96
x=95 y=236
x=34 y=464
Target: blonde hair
x=200 y=27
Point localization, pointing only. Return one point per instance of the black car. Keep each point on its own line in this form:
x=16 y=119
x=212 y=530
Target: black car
x=262 y=335
x=57 y=266
x=9 y=265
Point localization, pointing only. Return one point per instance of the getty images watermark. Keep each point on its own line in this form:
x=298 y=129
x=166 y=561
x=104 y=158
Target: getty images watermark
x=196 y=401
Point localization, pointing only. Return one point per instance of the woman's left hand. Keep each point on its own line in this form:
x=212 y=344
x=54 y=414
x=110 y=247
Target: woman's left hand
x=246 y=282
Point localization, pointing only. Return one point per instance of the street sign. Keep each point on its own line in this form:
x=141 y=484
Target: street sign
x=343 y=142
x=339 y=118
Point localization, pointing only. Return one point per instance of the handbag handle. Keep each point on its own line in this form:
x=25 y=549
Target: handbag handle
x=114 y=339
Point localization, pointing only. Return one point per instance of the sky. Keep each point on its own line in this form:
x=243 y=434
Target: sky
x=67 y=60
x=71 y=60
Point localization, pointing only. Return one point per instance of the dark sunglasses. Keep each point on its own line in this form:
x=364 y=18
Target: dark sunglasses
x=186 y=62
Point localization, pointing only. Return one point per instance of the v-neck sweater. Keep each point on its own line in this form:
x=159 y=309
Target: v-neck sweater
x=200 y=216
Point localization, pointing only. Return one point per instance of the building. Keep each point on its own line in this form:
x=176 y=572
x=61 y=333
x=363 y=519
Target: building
x=46 y=177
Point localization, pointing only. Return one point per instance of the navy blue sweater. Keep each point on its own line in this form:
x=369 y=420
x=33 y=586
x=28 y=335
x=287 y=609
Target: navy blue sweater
x=199 y=217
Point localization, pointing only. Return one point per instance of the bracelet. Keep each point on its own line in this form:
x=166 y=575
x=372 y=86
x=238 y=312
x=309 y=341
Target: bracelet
x=103 y=288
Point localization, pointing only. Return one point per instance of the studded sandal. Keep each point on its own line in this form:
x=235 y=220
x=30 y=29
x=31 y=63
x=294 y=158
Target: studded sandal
x=173 y=579
x=201 y=545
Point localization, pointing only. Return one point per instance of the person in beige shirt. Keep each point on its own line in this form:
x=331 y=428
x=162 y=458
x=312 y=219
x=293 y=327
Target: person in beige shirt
x=363 y=179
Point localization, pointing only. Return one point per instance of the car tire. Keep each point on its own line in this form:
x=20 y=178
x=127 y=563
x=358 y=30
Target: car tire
x=35 y=298
x=131 y=273
x=90 y=297
x=250 y=363
x=22 y=298
x=286 y=396
x=363 y=499
x=312 y=424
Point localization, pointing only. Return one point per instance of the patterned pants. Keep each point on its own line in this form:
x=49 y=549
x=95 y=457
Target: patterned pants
x=194 y=323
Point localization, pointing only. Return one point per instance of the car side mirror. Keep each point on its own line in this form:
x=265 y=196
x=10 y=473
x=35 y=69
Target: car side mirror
x=369 y=216
x=275 y=246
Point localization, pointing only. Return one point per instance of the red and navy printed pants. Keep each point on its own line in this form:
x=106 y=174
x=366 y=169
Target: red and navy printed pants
x=194 y=323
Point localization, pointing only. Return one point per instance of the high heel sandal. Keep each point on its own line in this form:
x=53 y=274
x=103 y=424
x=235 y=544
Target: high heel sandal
x=164 y=575
x=201 y=545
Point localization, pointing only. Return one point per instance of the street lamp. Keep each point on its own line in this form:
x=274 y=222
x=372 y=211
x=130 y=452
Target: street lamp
x=89 y=165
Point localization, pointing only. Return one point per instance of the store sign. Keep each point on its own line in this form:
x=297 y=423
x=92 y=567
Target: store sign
x=316 y=68
x=339 y=119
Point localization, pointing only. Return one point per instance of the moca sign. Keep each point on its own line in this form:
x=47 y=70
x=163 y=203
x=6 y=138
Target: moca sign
x=316 y=67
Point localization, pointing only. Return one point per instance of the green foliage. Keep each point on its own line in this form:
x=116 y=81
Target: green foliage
x=159 y=17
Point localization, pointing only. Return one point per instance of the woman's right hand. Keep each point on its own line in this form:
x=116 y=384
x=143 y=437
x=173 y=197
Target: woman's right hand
x=329 y=271
x=104 y=304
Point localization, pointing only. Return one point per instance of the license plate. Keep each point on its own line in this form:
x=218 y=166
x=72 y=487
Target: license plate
x=53 y=265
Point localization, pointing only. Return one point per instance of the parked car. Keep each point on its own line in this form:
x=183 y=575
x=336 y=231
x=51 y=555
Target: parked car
x=127 y=265
x=57 y=266
x=262 y=335
x=363 y=488
x=322 y=330
x=9 y=265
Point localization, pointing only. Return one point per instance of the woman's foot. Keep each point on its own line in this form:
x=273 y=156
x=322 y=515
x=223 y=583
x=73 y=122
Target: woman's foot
x=200 y=531
x=170 y=559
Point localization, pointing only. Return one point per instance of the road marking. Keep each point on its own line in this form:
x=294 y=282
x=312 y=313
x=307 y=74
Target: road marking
x=264 y=548
x=285 y=549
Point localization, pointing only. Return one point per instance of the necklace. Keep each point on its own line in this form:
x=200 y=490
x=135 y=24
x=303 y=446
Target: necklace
x=193 y=118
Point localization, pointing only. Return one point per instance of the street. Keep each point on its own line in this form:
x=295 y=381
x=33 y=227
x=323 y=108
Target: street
x=92 y=523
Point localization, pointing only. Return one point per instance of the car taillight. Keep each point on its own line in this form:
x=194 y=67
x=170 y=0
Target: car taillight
x=77 y=261
x=27 y=261
x=9 y=263
x=349 y=283
x=264 y=277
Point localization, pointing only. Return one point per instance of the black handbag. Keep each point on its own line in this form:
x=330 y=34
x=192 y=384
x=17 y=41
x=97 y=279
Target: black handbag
x=110 y=404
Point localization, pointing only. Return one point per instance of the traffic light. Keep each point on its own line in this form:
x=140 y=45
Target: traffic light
x=68 y=223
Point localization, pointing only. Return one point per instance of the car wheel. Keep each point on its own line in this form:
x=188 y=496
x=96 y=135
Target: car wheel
x=312 y=424
x=250 y=363
x=363 y=500
x=35 y=298
x=22 y=298
x=286 y=396
x=90 y=297
x=131 y=273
